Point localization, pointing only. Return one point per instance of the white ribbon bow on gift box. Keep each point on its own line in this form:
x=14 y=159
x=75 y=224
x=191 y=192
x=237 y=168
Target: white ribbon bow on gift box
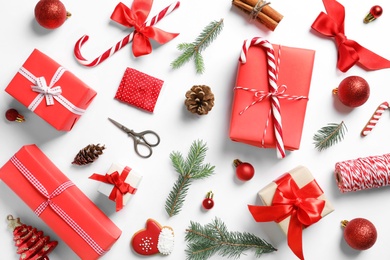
x=49 y=92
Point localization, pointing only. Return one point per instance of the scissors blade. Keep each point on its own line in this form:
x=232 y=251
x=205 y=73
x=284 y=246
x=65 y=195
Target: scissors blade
x=119 y=125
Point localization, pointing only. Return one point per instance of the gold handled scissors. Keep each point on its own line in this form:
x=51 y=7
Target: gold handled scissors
x=140 y=138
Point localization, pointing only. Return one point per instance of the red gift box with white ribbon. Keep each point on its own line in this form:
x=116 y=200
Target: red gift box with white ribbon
x=50 y=91
x=271 y=95
x=59 y=203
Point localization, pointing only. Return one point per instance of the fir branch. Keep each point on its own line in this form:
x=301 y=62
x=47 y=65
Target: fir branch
x=191 y=168
x=194 y=49
x=213 y=238
x=329 y=135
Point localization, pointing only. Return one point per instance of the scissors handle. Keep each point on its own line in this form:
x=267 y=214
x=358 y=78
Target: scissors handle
x=146 y=136
x=144 y=144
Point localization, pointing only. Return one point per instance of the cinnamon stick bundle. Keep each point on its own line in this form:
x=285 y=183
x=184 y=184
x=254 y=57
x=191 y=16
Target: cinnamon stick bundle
x=266 y=15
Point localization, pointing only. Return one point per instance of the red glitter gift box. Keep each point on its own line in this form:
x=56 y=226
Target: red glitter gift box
x=59 y=203
x=251 y=117
x=50 y=91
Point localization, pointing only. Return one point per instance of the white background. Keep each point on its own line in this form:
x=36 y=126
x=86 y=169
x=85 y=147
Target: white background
x=178 y=128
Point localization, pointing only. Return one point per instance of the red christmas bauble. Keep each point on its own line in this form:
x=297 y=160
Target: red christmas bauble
x=50 y=14
x=353 y=91
x=208 y=202
x=244 y=171
x=359 y=233
x=376 y=11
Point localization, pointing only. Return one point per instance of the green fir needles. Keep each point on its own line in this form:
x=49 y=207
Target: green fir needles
x=189 y=169
x=329 y=135
x=205 y=241
x=193 y=50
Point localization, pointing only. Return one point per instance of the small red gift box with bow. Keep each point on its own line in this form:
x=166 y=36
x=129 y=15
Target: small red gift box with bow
x=119 y=184
x=269 y=102
x=50 y=91
x=295 y=201
x=59 y=203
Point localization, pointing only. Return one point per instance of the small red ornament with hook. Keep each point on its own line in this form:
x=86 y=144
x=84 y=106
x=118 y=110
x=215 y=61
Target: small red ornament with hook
x=374 y=13
x=13 y=115
x=208 y=202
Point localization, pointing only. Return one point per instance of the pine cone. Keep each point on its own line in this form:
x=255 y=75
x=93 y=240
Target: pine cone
x=199 y=99
x=88 y=154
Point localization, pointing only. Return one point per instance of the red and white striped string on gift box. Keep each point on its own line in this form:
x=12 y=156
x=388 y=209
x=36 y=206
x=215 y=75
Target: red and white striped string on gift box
x=363 y=173
x=272 y=79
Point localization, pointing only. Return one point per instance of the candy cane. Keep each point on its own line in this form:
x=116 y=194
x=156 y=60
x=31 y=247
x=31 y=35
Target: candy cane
x=272 y=78
x=374 y=118
x=119 y=45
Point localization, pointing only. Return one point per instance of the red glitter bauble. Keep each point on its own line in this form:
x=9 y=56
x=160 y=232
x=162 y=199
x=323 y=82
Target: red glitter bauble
x=359 y=233
x=353 y=91
x=50 y=14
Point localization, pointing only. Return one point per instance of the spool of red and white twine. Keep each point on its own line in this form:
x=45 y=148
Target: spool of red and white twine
x=363 y=173
x=272 y=79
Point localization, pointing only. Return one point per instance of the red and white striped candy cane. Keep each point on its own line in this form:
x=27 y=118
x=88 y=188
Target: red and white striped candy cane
x=119 y=45
x=272 y=78
x=374 y=118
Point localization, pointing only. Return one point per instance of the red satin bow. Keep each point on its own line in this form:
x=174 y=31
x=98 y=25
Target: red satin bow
x=120 y=186
x=136 y=17
x=349 y=51
x=301 y=205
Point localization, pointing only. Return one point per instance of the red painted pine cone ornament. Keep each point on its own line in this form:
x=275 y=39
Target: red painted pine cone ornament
x=50 y=14
x=353 y=91
x=359 y=233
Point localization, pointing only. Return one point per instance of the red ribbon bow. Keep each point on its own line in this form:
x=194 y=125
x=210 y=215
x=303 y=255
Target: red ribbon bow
x=120 y=186
x=301 y=204
x=136 y=17
x=349 y=51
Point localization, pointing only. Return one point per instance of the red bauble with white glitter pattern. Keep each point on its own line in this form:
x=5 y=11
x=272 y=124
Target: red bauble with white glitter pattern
x=359 y=233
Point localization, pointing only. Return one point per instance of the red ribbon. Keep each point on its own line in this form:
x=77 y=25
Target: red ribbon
x=349 y=51
x=120 y=186
x=301 y=204
x=136 y=17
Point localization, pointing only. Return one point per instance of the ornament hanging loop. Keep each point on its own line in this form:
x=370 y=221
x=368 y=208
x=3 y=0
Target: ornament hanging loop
x=12 y=222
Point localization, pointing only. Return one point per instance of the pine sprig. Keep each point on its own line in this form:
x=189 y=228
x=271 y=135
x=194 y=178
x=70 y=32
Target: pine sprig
x=194 y=49
x=205 y=241
x=192 y=168
x=329 y=135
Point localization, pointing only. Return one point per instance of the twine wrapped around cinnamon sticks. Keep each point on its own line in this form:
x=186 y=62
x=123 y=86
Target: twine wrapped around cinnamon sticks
x=261 y=11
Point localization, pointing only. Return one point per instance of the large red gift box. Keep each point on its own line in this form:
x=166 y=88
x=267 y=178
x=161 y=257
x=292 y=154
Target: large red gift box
x=251 y=120
x=59 y=203
x=50 y=91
